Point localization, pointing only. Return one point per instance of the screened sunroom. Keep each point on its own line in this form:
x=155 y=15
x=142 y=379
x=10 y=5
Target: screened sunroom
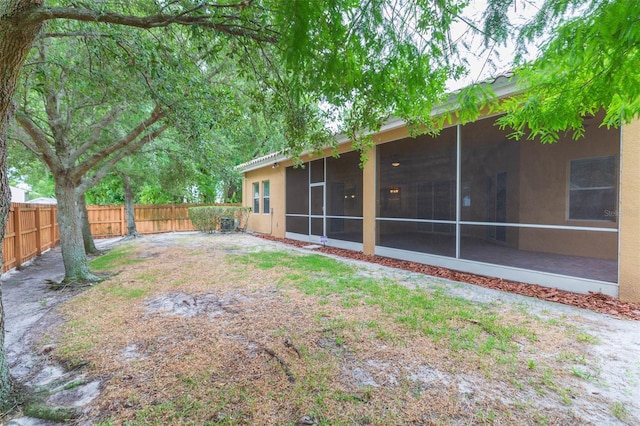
x=324 y=199
x=563 y=215
x=473 y=199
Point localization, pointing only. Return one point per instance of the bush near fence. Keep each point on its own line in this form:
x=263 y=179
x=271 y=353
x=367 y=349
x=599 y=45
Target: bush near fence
x=33 y=228
x=211 y=219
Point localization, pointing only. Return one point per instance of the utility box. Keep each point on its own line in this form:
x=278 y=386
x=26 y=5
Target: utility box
x=227 y=224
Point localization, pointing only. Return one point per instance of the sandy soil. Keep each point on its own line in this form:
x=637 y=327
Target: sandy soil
x=31 y=314
x=30 y=311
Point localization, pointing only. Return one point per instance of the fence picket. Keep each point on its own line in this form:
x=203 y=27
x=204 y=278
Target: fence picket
x=28 y=234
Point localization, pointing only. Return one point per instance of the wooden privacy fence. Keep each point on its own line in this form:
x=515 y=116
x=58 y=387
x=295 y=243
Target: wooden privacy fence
x=33 y=228
x=110 y=221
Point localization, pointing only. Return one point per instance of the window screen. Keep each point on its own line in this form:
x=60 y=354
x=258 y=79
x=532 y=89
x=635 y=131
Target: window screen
x=256 y=197
x=266 y=204
x=344 y=185
x=592 y=189
x=297 y=190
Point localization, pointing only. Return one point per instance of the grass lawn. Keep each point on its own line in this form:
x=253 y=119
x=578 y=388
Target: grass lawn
x=206 y=329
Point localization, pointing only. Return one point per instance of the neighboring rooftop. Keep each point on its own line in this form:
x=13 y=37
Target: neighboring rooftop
x=43 y=200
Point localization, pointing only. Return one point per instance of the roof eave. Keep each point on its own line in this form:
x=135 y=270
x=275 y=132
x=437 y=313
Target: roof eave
x=503 y=86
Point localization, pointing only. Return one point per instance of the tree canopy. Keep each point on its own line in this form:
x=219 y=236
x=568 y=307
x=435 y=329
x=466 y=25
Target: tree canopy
x=365 y=60
x=588 y=60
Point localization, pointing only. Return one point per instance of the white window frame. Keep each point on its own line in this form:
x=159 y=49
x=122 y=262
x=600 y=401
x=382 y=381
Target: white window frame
x=266 y=197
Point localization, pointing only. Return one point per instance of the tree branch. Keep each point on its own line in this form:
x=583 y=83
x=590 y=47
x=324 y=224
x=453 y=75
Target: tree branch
x=230 y=24
x=95 y=134
x=73 y=34
x=96 y=158
x=52 y=108
x=18 y=134
x=40 y=144
x=106 y=167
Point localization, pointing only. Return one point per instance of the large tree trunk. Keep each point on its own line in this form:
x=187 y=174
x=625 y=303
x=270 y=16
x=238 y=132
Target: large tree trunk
x=129 y=207
x=16 y=39
x=231 y=192
x=74 y=257
x=87 y=238
x=5 y=205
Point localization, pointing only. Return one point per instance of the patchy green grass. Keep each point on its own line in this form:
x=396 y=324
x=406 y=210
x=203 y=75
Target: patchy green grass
x=368 y=349
x=127 y=293
x=456 y=322
x=587 y=338
x=619 y=410
x=116 y=258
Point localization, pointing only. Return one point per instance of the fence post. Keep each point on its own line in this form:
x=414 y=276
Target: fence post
x=17 y=229
x=123 y=224
x=54 y=239
x=173 y=217
x=38 y=232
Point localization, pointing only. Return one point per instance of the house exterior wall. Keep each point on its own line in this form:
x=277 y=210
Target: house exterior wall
x=271 y=222
x=629 y=213
x=547 y=181
x=18 y=195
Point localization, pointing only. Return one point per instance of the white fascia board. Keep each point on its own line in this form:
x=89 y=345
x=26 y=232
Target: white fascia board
x=258 y=163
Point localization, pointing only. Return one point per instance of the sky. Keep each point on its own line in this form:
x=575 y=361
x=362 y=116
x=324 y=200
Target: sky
x=486 y=63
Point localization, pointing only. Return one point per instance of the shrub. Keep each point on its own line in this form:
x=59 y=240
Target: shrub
x=212 y=218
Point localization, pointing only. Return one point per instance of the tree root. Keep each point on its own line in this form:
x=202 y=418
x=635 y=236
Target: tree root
x=289 y=344
x=42 y=411
x=75 y=283
x=282 y=363
x=59 y=286
x=130 y=237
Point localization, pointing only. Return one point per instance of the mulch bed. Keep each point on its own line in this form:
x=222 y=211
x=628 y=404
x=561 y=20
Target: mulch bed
x=597 y=302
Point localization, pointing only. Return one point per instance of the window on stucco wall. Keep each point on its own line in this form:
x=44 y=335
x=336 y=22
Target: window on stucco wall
x=256 y=197
x=266 y=205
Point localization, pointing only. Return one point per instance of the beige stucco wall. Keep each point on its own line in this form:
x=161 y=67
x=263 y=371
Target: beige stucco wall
x=369 y=204
x=629 y=213
x=273 y=222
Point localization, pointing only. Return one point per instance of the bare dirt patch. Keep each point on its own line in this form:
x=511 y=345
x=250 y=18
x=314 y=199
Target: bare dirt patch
x=197 y=332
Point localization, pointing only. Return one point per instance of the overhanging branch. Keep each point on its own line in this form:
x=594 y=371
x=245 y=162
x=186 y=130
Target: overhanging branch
x=228 y=24
x=73 y=34
x=107 y=166
x=157 y=115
